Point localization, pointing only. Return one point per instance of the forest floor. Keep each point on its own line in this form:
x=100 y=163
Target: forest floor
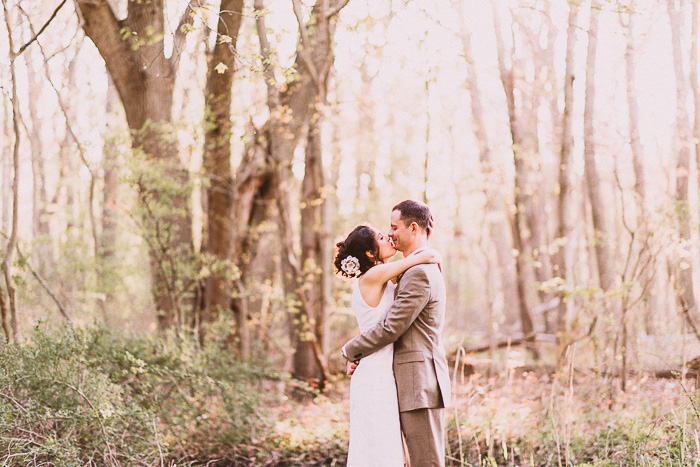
x=536 y=417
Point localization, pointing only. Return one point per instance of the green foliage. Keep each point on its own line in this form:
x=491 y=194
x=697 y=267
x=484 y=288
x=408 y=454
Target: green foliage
x=83 y=396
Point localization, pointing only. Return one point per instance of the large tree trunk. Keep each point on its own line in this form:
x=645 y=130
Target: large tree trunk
x=217 y=158
x=315 y=263
x=522 y=190
x=563 y=268
x=683 y=270
x=253 y=200
x=133 y=52
x=496 y=209
x=290 y=110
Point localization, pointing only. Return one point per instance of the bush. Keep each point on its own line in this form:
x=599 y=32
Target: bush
x=95 y=397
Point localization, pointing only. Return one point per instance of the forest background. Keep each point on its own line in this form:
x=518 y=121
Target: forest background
x=174 y=176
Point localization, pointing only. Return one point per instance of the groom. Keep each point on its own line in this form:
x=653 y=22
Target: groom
x=414 y=324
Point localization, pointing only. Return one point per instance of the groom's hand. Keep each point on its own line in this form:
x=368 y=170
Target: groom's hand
x=350 y=367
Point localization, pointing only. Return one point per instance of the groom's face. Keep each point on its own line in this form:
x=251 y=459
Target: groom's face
x=400 y=233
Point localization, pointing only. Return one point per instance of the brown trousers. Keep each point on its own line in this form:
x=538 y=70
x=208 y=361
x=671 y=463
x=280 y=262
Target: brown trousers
x=424 y=430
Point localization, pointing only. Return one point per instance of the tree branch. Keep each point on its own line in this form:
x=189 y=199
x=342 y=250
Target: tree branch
x=37 y=34
x=181 y=33
x=104 y=29
x=305 y=45
x=43 y=283
x=335 y=9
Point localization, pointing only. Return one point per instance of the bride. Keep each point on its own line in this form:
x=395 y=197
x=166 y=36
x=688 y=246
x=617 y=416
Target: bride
x=375 y=431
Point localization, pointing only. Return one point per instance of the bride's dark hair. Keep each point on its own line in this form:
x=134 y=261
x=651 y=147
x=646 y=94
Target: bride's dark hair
x=358 y=243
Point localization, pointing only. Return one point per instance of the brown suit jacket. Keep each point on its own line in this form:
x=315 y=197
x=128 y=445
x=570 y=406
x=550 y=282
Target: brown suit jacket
x=414 y=324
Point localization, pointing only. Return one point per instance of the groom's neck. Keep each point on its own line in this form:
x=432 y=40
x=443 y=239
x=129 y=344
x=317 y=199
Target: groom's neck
x=419 y=243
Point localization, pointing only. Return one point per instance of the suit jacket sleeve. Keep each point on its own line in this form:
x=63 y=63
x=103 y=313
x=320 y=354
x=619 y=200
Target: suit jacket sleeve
x=412 y=296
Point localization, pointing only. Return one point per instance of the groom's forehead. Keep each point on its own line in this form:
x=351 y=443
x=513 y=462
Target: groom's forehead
x=396 y=217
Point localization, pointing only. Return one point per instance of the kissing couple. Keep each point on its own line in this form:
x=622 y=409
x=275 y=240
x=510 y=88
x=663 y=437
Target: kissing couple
x=400 y=381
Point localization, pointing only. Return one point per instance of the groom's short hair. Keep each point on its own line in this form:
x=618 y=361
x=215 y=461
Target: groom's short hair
x=415 y=211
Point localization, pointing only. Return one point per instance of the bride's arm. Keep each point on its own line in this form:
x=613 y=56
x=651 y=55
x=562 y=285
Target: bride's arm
x=385 y=272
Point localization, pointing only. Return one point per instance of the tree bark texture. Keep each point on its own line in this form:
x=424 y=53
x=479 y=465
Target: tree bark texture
x=133 y=52
x=313 y=234
x=217 y=157
x=291 y=108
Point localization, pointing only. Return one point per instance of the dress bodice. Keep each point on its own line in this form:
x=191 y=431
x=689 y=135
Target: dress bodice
x=368 y=316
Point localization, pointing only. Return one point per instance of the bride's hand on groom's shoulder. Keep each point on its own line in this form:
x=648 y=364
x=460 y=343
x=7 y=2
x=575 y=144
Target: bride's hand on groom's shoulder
x=433 y=256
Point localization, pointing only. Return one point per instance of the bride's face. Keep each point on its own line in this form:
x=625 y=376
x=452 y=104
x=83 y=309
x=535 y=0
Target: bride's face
x=386 y=248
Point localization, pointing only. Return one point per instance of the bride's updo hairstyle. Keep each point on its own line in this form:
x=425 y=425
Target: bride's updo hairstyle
x=354 y=250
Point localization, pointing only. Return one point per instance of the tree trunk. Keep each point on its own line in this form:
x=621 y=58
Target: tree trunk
x=217 y=158
x=562 y=268
x=694 y=85
x=633 y=106
x=133 y=52
x=496 y=209
x=290 y=110
x=637 y=153
x=9 y=315
x=110 y=214
x=313 y=234
x=40 y=225
x=521 y=189
x=6 y=167
x=253 y=200
x=683 y=269
x=601 y=228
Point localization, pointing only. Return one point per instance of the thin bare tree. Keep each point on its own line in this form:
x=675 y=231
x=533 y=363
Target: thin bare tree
x=522 y=190
x=563 y=268
x=683 y=266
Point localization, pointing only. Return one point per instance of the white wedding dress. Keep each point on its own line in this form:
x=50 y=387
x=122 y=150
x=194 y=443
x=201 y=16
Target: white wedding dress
x=375 y=430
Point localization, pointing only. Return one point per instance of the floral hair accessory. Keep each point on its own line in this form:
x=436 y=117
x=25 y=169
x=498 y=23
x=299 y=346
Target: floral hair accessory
x=350 y=265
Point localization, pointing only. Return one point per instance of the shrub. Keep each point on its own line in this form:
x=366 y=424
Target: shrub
x=93 y=396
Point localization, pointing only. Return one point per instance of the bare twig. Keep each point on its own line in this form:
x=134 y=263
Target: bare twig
x=81 y=149
x=37 y=34
x=43 y=283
